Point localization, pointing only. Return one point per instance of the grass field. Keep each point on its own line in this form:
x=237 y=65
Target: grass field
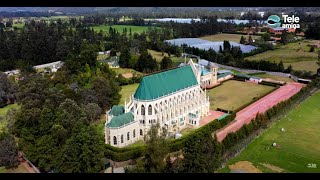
x=119 y=28
x=297 y=54
x=102 y=56
x=3 y=112
x=126 y=70
x=227 y=37
x=304 y=65
x=157 y=55
x=277 y=78
x=233 y=94
x=127 y=91
x=297 y=148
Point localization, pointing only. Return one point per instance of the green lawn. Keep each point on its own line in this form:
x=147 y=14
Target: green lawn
x=157 y=55
x=297 y=54
x=277 y=78
x=297 y=147
x=3 y=112
x=126 y=70
x=102 y=56
x=233 y=94
x=227 y=37
x=119 y=28
x=127 y=91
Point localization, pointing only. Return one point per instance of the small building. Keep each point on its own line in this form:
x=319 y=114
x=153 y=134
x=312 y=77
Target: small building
x=255 y=79
x=224 y=76
x=278 y=30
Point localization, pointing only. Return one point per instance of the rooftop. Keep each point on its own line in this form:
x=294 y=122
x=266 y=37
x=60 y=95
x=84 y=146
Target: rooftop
x=205 y=71
x=116 y=110
x=121 y=120
x=224 y=75
x=164 y=83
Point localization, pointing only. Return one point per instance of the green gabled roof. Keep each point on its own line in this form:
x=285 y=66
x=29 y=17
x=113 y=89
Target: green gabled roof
x=223 y=75
x=121 y=120
x=205 y=72
x=116 y=110
x=164 y=83
x=223 y=116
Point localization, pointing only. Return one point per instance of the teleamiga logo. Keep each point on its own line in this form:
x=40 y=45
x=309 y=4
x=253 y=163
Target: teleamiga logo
x=289 y=22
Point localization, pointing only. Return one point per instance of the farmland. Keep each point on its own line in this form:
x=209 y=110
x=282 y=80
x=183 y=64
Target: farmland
x=233 y=94
x=119 y=28
x=227 y=37
x=297 y=54
x=297 y=149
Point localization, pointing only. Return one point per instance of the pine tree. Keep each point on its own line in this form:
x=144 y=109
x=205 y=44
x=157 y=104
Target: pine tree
x=250 y=40
x=280 y=66
x=166 y=63
x=242 y=40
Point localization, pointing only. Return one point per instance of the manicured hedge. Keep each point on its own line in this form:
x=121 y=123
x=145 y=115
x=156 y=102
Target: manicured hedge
x=224 y=110
x=274 y=84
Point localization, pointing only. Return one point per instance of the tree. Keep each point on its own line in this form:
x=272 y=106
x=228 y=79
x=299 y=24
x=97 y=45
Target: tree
x=201 y=154
x=289 y=69
x=318 y=71
x=266 y=36
x=107 y=91
x=242 y=40
x=93 y=111
x=125 y=58
x=226 y=46
x=166 y=63
x=280 y=66
x=156 y=151
x=311 y=49
x=8 y=151
x=250 y=40
x=82 y=153
x=88 y=55
x=113 y=52
x=7 y=90
x=284 y=38
x=69 y=113
x=146 y=63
